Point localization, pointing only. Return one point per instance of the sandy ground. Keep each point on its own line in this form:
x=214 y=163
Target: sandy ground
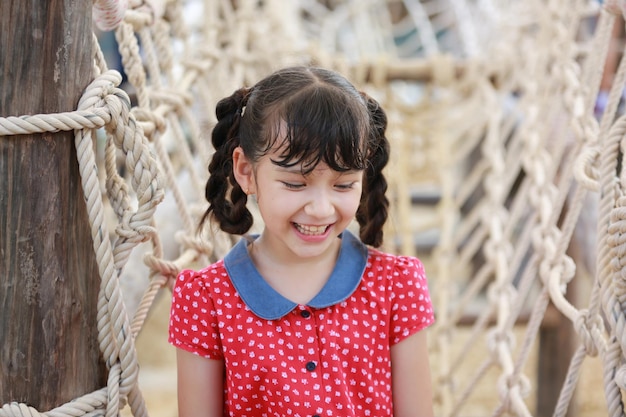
x=158 y=375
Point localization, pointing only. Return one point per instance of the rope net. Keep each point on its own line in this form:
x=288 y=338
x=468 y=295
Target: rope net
x=505 y=177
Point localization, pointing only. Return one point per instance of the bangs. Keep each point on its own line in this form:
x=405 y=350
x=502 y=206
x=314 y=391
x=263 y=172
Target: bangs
x=321 y=124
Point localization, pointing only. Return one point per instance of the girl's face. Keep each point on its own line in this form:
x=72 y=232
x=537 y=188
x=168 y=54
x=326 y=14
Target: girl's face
x=303 y=214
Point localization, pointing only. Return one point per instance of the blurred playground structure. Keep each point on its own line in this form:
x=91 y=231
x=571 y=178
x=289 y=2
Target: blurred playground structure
x=506 y=178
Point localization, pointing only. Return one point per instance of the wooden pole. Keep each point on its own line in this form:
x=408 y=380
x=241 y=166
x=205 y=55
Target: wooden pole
x=48 y=274
x=557 y=343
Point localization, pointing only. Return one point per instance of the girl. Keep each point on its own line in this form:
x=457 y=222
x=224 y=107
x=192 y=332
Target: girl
x=304 y=319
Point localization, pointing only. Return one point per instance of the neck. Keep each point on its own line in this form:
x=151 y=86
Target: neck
x=297 y=279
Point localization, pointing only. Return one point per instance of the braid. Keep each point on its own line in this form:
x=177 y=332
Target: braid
x=373 y=209
x=229 y=211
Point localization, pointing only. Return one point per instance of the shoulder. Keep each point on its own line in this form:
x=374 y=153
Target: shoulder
x=403 y=277
x=396 y=265
x=406 y=291
x=193 y=324
x=193 y=283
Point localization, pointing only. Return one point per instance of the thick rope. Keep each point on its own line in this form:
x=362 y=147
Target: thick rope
x=104 y=105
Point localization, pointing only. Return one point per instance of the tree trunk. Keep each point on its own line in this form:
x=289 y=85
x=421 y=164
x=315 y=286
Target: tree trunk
x=48 y=274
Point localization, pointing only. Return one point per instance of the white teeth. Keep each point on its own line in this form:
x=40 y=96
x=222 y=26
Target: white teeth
x=311 y=230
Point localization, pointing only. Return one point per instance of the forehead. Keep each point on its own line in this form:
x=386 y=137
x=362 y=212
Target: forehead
x=304 y=145
x=276 y=158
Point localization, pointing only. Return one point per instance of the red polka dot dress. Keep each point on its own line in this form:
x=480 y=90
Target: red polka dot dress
x=330 y=357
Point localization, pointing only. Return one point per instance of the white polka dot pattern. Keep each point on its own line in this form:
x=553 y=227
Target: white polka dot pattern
x=333 y=361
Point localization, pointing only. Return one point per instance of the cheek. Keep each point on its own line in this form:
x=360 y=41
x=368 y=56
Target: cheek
x=275 y=202
x=350 y=203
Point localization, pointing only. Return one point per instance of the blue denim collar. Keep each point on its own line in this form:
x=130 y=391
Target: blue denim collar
x=268 y=304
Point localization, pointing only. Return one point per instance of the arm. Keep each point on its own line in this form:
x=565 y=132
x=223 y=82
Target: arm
x=200 y=385
x=410 y=375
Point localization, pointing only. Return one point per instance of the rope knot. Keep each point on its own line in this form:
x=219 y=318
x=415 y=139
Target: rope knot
x=586 y=325
x=497 y=339
x=150 y=121
x=585 y=170
x=102 y=86
x=513 y=385
x=557 y=273
x=544 y=242
x=109 y=13
x=499 y=292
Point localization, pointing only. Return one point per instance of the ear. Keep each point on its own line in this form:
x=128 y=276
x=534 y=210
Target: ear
x=243 y=171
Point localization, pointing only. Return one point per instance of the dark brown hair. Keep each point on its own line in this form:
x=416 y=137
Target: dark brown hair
x=323 y=118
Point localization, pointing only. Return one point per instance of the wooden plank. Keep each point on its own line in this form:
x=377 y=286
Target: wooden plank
x=48 y=275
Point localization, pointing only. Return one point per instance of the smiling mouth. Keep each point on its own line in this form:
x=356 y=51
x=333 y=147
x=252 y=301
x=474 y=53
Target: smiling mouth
x=311 y=230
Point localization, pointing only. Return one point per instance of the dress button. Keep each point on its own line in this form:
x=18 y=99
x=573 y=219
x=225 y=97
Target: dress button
x=306 y=314
x=316 y=415
x=310 y=366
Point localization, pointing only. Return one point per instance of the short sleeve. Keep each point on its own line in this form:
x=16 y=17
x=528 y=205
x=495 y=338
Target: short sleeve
x=411 y=307
x=193 y=326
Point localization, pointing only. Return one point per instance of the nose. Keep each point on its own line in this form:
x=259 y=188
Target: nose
x=320 y=205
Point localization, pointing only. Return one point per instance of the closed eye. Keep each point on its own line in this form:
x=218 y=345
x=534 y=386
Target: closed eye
x=293 y=186
x=347 y=186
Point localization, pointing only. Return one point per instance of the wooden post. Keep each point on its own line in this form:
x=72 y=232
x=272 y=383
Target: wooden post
x=557 y=344
x=48 y=274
